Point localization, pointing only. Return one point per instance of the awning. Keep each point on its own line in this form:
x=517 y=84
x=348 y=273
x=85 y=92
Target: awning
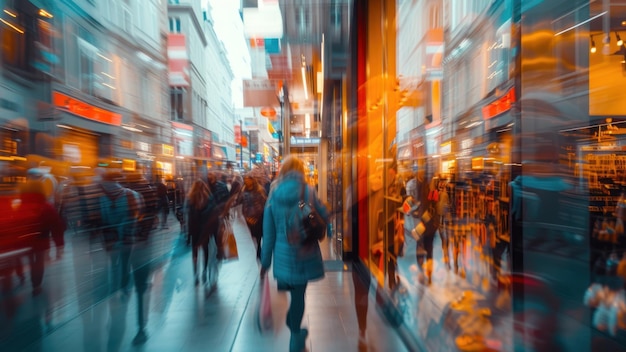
x=219 y=152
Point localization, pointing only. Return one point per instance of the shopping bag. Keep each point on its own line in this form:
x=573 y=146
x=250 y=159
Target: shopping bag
x=418 y=231
x=407 y=205
x=265 y=319
x=230 y=243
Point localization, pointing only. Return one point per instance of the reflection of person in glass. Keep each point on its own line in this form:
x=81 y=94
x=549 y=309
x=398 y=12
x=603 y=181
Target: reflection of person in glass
x=396 y=192
x=427 y=214
x=361 y=300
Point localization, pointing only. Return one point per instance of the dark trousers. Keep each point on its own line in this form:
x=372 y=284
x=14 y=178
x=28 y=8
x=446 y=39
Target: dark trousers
x=194 y=255
x=425 y=249
x=361 y=300
x=37 y=258
x=296 y=308
x=256 y=231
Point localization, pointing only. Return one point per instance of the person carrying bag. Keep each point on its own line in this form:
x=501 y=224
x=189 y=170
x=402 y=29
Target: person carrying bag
x=296 y=261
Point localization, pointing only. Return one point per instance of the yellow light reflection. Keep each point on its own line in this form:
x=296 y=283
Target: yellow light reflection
x=10 y=13
x=44 y=13
x=12 y=26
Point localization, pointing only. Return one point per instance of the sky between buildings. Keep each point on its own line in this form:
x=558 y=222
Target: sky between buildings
x=229 y=28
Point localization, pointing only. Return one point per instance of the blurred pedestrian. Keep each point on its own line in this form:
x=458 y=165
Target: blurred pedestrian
x=295 y=263
x=48 y=181
x=147 y=220
x=253 y=203
x=163 y=202
x=427 y=212
x=120 y=210
x=45 y=222
x=236 y=195
x=197 y=207
x=219 y=210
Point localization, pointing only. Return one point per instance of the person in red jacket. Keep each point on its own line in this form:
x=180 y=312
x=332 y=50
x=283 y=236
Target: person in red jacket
x=44 y=224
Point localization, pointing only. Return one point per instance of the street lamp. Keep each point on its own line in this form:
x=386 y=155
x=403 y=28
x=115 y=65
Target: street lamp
x=281 y=101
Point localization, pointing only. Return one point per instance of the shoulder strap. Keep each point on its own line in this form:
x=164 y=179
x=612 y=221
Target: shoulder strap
x=133 y=203
x=303 y=198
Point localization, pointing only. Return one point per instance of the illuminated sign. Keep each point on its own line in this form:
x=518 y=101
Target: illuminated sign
x=446 y=148
x=143 y=146
x=129 y=165
x=85 y=110
x=503 y=104
x=168 y=150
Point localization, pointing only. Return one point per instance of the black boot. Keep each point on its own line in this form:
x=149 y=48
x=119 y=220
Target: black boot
x=297 y=343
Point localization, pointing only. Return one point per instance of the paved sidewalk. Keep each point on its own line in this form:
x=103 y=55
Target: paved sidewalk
x=183 y=317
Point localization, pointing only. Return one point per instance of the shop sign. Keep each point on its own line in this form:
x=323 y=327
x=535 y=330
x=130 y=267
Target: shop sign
x=167 y=150
x=304 y=141
x=466 y=143
x=501 y=105
x=84 y=110
x=143 y=146
x=445 y=148
x=607 y=147
x=259 y=92
x=145 y=156
x=129 y=165
x=71 y=153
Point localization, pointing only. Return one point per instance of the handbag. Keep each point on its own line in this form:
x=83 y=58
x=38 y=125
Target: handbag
x=229 y=242
x=313 y=223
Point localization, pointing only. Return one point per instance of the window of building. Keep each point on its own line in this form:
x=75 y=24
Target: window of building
x=174 y=24
x=128 y=21
x=104 y=76
x=177 y=106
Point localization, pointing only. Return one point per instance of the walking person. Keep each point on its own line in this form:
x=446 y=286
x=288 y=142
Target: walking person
x=197 y=207
x=163 y=202
x=429 y=196
x=220 y=196
x=39 y=217
x=235 y=196
x=295 y=263
x=253 y=203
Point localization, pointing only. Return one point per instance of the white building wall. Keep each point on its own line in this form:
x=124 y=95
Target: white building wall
x=221 y=116
x=120 y=43
x=465 y=82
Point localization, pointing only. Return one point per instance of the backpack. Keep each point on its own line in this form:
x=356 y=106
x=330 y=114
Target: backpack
x=120 y=217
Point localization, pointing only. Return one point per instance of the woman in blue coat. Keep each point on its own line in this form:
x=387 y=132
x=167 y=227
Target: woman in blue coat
x=295 y=263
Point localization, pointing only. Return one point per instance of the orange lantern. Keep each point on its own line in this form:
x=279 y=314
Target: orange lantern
x=268 y=112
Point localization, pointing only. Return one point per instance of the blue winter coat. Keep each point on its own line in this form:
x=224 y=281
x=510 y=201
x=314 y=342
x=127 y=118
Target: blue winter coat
x=294 y=264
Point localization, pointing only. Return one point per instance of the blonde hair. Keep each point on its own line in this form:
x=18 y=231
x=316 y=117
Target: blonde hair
x=198 y=194
x=292 y=164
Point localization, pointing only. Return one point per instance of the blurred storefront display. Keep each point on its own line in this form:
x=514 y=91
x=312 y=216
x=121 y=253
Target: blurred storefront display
x=522 y=169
